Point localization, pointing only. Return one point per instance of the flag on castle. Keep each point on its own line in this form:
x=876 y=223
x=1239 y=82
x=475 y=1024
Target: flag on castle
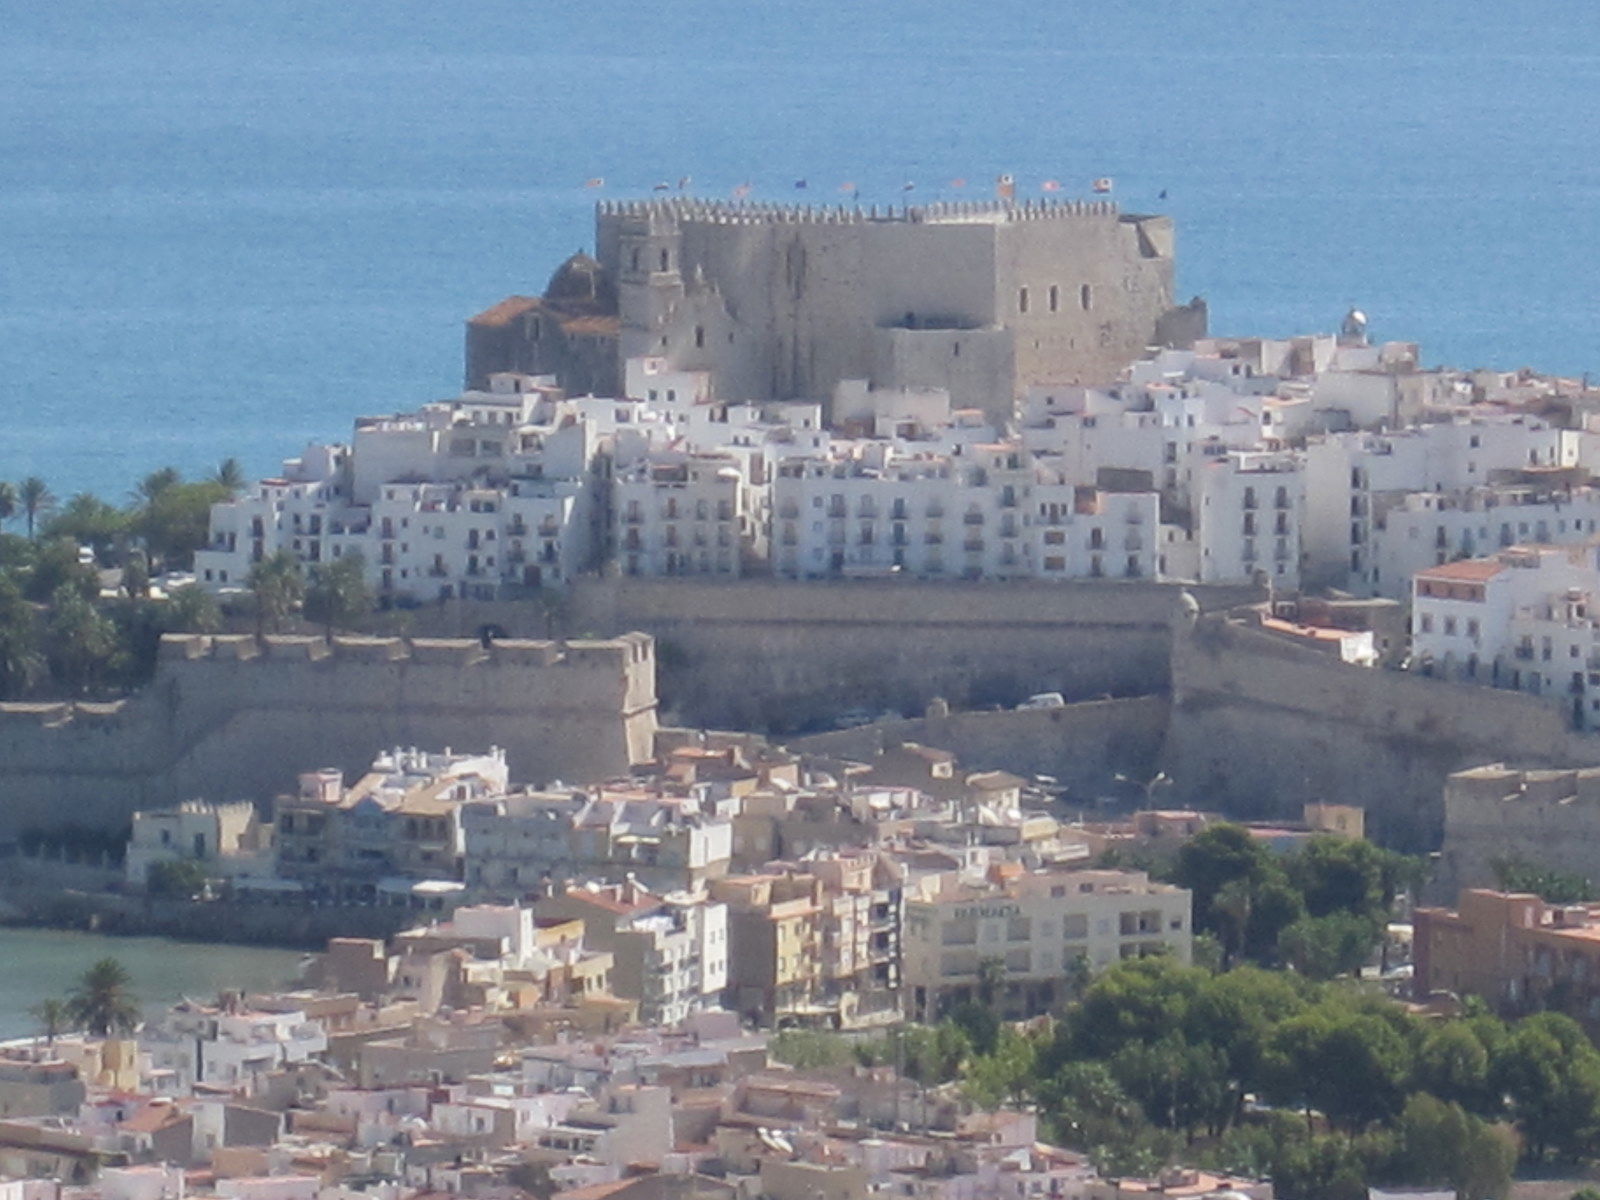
x=1006 y=187
x=847 y=186
x=1103 y=184
x=1051 y=185
x=799 y=185
x=683 y=182
x=662 y=187
x=595 y=182
x=958 y=182
x=740 y=192
x=908 y=187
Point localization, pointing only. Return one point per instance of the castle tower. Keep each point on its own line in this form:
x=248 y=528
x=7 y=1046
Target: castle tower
x=648 y=269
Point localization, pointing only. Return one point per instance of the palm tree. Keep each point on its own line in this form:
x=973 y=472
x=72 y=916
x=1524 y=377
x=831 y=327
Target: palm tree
x=101 y=1001
x=278 y=586
x=991 y=980
x=153 y=484
x=337 y=595
x=230 y=475
x=8 y=501
x=35 y=497
x=54 y=1017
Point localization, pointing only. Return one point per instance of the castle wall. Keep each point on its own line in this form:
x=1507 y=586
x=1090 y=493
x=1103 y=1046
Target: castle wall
x=809 y=289
x=233 y=718
x=1260 y=727
x=1547 y=818
x=1084 y=746
x=780 y=655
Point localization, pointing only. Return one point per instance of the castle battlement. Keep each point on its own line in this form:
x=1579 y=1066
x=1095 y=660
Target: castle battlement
x=673 y=210
x=596 y=654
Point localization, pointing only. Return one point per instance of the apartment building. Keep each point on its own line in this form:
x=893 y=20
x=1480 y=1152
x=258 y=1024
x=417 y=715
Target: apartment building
x=1515 y=951
x=1013 y=938
x=670 y=953
x=399 y=820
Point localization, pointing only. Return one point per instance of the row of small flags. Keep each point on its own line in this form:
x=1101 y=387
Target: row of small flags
x=1005 y=186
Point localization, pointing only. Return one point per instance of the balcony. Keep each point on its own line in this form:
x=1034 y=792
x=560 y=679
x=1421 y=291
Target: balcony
x=972 y=518
x=972 y=545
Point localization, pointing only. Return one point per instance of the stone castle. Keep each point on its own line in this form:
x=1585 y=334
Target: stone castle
x=783 y=302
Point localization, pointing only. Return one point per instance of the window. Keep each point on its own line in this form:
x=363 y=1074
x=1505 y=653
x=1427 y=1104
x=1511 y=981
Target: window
x=1055 y=298
x=1022 y=300
x=1085 y=298
x=666 y=260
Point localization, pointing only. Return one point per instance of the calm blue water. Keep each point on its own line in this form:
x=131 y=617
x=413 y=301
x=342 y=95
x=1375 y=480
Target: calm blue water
x=228 y=228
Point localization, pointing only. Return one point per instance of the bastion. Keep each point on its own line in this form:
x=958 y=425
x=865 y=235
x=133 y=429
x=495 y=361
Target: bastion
x=238 y=717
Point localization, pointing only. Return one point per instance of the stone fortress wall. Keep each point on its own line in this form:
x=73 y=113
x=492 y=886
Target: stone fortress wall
x=234 y=717
x=1260 y=727
x=790 y=655
x=1255 y=726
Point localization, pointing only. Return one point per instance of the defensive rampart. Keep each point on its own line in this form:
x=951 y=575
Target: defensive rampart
x=1260 y=726
x=787 y=656
x=237 y=717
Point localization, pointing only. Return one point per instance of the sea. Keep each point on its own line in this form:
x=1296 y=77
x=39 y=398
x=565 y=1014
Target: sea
x=227 y=229
x=40 y=964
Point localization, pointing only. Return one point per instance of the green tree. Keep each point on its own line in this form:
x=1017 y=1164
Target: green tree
x=1325 y=947
x=230 y=477
x=155 y=484
x=175 y=878
x=981 y=1024
x=1550 y=885
x=1551 y=1072
x=21 y=659
x=79 y=641
x=35 y=499
x=277 y=587
x=176 y=521
x=1441 y=1143
x=1003 y=1076
x=102 y=1001
x=337 y=597
x=136 y=575
x=1179 y=1085
x=54 y=1017
x=1453 y=1064
x=1087 y=1106
x=1340 y=875
x=89 y=521
x=8 y=501
x=192 y=609
x=1351 y=1065
x=56 y=565
x=1241 y=893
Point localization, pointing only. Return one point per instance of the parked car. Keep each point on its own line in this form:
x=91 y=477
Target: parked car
x=1044 y=700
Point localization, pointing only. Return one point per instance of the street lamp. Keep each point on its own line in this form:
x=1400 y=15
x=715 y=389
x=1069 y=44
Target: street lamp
x=1149 y=785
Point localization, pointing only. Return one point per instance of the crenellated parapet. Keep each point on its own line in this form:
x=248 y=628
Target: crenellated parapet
x=627 y=652
x=686 y=209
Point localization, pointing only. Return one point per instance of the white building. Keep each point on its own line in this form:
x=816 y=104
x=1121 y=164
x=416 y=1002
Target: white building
x=463 y=498
x=1524 y=619
x=682 y=513
x=669 y=952
x=1348 y=474
x=225 y=839
x=227 y=1046
x=1249 y=514
x=1417 y=530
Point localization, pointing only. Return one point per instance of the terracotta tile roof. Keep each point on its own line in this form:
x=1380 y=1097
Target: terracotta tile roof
x=506 y=311
x=1471 y=570
x=591 y=325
